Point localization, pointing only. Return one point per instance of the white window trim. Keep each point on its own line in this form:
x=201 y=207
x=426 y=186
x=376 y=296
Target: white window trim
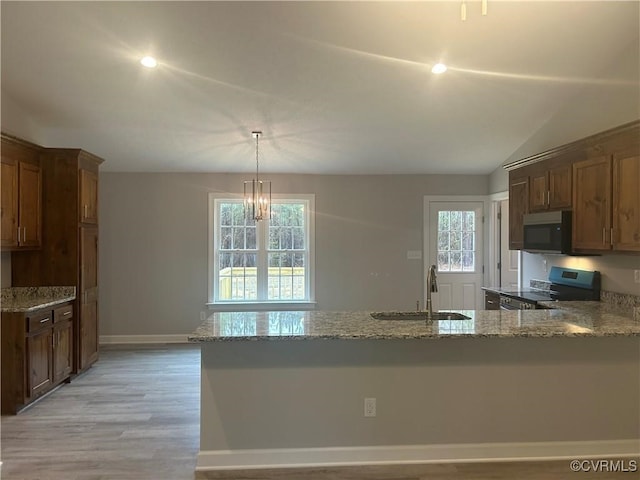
x=248 y=305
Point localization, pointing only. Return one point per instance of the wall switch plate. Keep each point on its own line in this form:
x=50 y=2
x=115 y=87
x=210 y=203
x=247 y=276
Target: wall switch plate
x=636 y=276
x=202 y=316
x=369 y=407
x=414 y=254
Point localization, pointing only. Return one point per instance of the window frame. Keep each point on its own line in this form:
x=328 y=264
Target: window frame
x=262 y=243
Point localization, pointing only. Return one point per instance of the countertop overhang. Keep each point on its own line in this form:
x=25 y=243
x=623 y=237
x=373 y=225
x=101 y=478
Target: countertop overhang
x=563 y=319
x=29 y=299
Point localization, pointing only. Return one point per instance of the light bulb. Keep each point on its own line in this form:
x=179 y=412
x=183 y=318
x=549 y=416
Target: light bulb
x=439 y=68
x=148 y=62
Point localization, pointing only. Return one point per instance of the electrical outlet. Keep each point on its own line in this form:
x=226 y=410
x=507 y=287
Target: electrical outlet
x=636 y=276
x=369 y=407
x=202 y=316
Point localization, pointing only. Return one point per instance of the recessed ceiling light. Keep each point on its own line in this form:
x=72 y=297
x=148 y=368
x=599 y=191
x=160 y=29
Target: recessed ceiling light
x=439 y=68
x=148 y=62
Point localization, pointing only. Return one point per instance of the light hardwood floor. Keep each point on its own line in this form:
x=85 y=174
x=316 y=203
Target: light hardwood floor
x=135 y=416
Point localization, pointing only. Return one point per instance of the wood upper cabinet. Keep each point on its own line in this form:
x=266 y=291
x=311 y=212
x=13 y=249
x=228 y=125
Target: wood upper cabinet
x=596 y=178
x=550 y=189
x=9 y=209
x=88 y=207
x=625 y=233
x=538 y=191
x=592 y=204
x=606 y=213
x=29 y=205
x=518 y=206
x=21 y=209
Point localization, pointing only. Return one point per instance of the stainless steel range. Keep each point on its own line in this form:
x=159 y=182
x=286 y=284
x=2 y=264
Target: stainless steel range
x=565 y=284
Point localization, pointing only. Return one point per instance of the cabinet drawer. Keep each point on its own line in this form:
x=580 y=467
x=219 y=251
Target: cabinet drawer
x=62 y=313
x=39 y=320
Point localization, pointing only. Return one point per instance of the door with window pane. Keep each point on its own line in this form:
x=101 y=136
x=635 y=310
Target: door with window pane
x=455 y=240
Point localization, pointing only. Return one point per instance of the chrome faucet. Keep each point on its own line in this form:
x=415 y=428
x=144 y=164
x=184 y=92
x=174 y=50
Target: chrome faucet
x=432 y=286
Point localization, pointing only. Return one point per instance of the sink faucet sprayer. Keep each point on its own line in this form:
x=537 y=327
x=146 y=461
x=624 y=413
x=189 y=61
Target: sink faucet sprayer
x=432 y=286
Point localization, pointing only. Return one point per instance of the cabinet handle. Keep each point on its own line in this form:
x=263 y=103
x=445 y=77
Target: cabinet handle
x=19 y=234
x=548 y=197
x=24 y=234
x=604 y=236
x=44 y=320
x=66 y=314
x=611 y=236
x=85 y=210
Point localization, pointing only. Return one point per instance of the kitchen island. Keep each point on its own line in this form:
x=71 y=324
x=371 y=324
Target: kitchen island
x=287 y=389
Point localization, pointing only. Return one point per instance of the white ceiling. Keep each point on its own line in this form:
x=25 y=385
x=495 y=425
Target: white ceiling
x=336 y=87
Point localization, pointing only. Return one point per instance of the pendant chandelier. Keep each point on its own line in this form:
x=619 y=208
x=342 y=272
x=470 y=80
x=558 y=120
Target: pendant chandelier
x=463 y=9
x=257 y=193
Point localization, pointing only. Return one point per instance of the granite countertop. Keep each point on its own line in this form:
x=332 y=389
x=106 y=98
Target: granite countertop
x=565 y=319
x=28 y=299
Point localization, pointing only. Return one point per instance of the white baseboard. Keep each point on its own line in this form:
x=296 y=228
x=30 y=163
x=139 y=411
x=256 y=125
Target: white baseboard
x=123 y=339
x=413 y=454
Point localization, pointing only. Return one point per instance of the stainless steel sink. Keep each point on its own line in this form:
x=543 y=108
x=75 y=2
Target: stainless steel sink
x=419 y=316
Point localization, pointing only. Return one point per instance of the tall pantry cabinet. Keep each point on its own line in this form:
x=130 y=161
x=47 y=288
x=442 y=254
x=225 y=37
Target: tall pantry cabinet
x=69 y=253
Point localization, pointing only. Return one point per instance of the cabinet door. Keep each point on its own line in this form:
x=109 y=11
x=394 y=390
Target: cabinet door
x=518 y=206
x=39 y=359
x=538 y=192
x=29 y=205
x=62 y=350
x=88 y=319
x=491 y=301
x=88 y=197
x=559 y=188
x=592 y=204
x=88 y=333
x=9 y=208
x=626 y=202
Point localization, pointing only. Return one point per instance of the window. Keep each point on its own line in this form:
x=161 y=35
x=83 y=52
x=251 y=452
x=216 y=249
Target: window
x=456 y=241
x=270 y=261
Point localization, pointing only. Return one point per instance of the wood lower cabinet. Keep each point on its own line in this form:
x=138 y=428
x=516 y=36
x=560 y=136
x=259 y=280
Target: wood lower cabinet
x=63 y=343
x=36 y=354
x=21 y=209
x=491 y=300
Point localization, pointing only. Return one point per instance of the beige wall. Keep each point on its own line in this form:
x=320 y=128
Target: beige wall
x=283 y=394
x=616 y=270
x=153 y=243
x=600 y=103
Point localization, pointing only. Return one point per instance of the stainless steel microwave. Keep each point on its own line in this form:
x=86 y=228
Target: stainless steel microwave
x=547 y=232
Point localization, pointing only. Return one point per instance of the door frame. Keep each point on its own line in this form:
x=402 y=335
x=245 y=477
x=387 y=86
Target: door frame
x=494 y=240
x=426 y=214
